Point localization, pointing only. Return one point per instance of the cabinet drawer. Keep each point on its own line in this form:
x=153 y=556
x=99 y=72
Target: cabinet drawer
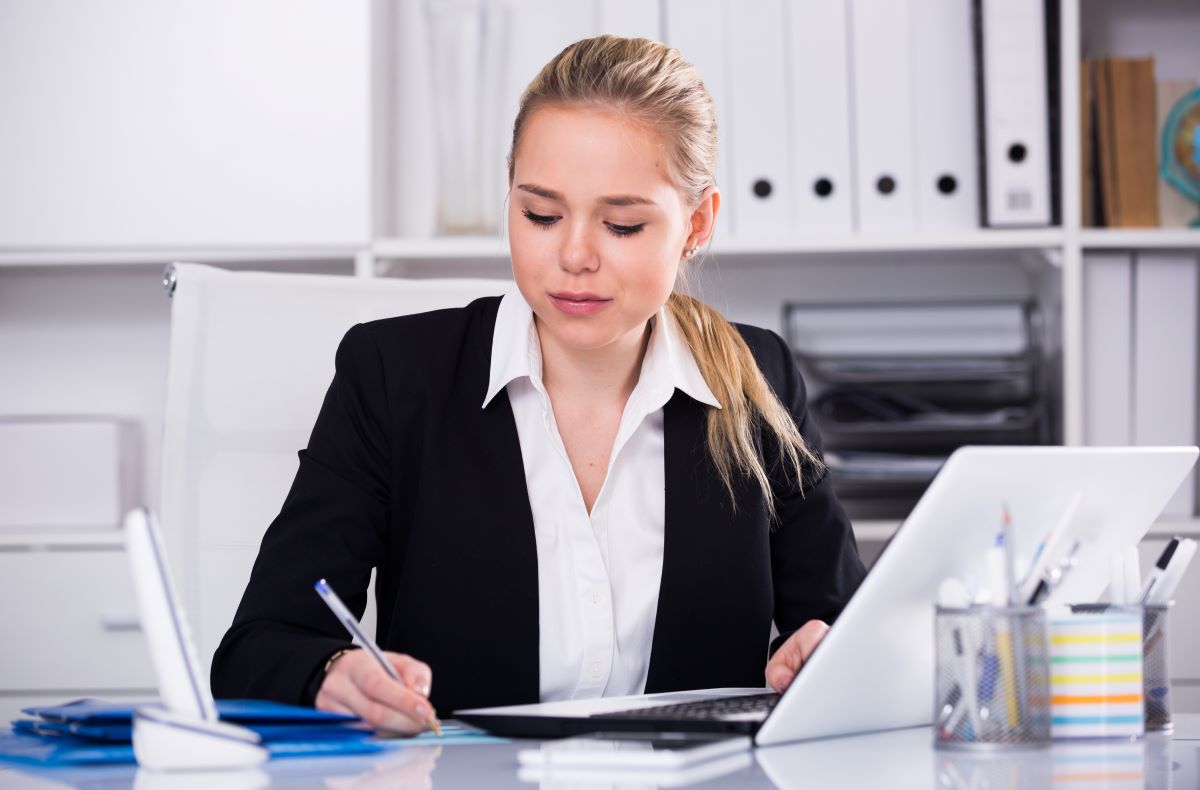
x=71 y=622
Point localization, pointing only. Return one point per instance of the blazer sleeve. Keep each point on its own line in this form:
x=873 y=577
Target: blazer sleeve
x=815 y=565
x=332 y=525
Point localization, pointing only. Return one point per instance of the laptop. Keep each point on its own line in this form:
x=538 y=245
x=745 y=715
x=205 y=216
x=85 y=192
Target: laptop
x=874 y=669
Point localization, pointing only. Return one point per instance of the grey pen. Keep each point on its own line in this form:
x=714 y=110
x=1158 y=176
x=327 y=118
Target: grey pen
x=347 y=618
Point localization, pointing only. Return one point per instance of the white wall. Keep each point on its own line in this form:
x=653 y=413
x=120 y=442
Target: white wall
x=211 y=122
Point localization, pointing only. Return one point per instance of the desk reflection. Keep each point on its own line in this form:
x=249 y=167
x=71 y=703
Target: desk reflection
x=902 y=759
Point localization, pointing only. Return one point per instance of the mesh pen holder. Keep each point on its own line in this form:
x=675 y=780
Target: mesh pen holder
x=1156 y=675
x=991 y=678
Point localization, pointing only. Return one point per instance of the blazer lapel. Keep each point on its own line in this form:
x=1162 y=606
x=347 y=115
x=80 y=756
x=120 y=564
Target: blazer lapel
x=516 y=631
x=696 y=504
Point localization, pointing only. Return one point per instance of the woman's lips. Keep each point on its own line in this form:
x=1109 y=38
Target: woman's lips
x=583 y=303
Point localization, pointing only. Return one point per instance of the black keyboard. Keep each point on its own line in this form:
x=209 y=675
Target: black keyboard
x=703 y=710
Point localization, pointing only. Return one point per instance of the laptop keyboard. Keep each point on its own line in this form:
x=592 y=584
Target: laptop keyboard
x=741 y=707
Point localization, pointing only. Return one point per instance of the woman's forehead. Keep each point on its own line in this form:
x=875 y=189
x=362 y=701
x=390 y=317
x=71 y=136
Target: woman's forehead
x=575 y=149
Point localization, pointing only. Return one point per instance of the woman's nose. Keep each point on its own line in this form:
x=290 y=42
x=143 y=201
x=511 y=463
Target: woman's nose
x=578 y=253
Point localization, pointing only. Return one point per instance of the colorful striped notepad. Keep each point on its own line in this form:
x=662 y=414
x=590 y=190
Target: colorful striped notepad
x=1096 y=675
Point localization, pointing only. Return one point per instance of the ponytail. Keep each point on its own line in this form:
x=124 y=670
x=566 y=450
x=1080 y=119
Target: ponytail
x=747 y=401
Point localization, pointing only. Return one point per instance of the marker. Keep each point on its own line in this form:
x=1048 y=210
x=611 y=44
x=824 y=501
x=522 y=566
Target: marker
x=966 y=665
x=1160 y=567
x=1054 y=577
x=1044 y=556
x=1173 y=573
x=951 y=713
x=348 y=619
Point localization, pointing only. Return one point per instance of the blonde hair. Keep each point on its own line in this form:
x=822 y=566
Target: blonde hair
x=651 y=84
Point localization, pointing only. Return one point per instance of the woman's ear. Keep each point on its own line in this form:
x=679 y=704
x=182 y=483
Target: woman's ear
x=704 y=218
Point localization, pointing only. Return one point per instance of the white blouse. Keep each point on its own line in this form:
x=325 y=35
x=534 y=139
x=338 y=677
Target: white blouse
x=598 y=573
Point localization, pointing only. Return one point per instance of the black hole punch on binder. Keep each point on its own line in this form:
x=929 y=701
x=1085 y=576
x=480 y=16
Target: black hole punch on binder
x=886 y=185
x=762 y=188
x=1017 y=152
x=823 y=187
x=947 y=184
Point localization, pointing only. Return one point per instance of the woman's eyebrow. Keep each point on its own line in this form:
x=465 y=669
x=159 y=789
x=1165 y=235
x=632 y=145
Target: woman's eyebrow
x=626 y=200
x=610 y=200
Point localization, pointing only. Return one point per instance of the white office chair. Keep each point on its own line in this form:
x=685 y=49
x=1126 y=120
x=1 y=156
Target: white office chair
x=251 y=357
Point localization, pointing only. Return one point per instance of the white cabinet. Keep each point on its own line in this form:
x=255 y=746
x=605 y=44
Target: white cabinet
x=71 y=625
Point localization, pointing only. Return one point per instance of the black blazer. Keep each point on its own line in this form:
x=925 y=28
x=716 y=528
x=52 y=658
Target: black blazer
x=406 y=473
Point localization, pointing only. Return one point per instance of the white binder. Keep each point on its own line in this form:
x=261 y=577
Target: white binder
x=629 y=18
x=697 y=29
x=881 y=54
x=1016 y=132
x=819 y=98
x=762 y=184
x=1108 y=349
x=944 y=115
x=1167 y=292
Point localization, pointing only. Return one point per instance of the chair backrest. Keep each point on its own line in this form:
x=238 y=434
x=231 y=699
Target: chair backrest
x=251 y=357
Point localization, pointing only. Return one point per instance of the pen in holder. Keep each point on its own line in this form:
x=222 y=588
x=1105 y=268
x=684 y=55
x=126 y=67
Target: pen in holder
x=991 y=680
x=1156 y=676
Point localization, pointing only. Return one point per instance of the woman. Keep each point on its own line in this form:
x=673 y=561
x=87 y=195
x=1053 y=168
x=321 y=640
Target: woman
x=600 y=487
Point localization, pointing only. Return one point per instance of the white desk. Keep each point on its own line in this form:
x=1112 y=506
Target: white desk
x=901 y=759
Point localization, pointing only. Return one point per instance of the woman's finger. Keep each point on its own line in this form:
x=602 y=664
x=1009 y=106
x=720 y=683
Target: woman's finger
x=417 y=674
x=380 y=687
x=379 y=714
x=779 y=675
x=793 y=653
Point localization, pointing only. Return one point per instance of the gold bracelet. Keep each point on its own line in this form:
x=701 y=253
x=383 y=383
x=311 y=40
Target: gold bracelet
x=336 y=656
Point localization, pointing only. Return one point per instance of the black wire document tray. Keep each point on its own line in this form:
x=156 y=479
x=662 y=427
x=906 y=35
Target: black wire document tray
x=977 y=352
x=896 y=387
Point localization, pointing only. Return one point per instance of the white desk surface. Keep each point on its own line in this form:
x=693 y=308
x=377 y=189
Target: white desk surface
x=900 y=759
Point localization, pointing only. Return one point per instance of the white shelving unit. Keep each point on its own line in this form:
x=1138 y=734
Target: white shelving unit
x=83 y=327
x=43 y=272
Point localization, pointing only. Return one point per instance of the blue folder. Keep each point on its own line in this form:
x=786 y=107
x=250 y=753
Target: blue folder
x=95 y=732
x=62 y=750
x=122 y=732
x=237 y=711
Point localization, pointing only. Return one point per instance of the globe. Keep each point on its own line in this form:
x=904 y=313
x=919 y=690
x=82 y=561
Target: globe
x=1180 y=148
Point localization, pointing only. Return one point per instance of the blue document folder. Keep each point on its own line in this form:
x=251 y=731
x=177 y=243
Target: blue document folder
x=96 y=732
x=238 y=711
x=62 y=750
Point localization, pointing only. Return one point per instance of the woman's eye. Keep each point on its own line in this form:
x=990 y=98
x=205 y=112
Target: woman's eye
x=624 y=230
x=539 y=219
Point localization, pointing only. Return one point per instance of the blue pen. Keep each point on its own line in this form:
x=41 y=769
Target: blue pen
x=348 y=619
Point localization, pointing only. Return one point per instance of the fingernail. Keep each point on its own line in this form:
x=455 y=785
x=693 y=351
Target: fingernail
x=423 y=689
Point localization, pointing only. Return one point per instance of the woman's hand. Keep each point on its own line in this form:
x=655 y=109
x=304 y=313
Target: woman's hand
x=357 y=685
x=791 y=655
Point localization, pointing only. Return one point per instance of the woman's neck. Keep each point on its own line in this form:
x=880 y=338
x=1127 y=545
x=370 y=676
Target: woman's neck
x=608 y=372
